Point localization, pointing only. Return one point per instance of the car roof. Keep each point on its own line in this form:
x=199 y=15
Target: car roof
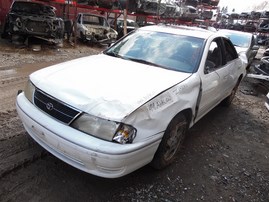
x=90 y=14
x=31 y=2
x=126 y=19
x=234 y=31
x=181 y=30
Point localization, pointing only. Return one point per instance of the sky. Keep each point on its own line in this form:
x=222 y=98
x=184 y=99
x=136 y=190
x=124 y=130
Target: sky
x=239 y=5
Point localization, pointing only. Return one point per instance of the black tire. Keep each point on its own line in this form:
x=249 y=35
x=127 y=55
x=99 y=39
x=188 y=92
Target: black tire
x=83 y=37
x=228 y=100
x=5 y=33
x=171 y=142
x=266 y=43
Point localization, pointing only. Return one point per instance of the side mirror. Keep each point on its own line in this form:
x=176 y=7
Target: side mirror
x=255 y=47
x=110 y=44
x=209 y=65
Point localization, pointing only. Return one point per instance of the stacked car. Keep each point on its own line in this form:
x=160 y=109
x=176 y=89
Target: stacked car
x=31 y=19
x=186 y=9
x=254 y=21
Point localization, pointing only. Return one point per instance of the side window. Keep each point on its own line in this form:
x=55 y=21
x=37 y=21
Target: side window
x=230 y=52
x=214 y=56
x=79 y=18
x=252 y=41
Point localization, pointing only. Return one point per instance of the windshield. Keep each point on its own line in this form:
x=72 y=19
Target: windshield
x=170 y=51
x=240 y=40
x=94 y=20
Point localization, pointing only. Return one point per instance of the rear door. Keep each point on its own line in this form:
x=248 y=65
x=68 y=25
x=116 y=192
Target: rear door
x=232 y=64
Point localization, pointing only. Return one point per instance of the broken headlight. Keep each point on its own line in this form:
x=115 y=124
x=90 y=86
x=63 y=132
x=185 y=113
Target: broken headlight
x=112 y=34
x=105 y=129
x=125 y=134
x=18 y=23
x=29 y=91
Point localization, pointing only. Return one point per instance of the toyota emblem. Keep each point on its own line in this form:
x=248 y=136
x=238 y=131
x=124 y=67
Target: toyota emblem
x=49 y=106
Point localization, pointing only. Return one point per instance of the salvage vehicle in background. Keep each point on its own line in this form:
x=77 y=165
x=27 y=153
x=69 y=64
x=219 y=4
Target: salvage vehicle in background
x=31 y=19
x=131 y=26
x=112 y=113
x=95 y=28
x=154 y=7
x=245 y=44
x=109 y=4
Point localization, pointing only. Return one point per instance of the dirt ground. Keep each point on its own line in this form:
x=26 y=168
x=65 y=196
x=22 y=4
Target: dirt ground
x=225 y=156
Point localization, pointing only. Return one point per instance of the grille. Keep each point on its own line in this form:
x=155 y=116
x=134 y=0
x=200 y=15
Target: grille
x=37 y=26
x=55 y=108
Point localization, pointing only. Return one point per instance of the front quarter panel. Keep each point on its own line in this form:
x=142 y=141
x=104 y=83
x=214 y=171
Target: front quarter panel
x=153 y=117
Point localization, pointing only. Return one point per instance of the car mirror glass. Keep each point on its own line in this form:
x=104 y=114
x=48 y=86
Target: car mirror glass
x=209 y=65
x=109 y=45
x=255 y=47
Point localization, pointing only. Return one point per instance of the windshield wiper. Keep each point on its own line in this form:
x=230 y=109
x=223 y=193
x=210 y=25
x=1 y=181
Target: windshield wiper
x=145 y=62
x=237 y=45
x=114 y=54
x=133 y=59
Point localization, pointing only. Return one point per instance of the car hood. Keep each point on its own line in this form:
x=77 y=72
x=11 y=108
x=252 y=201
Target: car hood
x=89 y=26
x=105 y=86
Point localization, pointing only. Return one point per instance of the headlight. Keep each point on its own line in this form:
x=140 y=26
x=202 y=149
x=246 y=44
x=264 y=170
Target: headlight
x=29 y=91
x=18 y=23
x=90 y=30
x=104 y=129
x=112 y=35
x=125 y=134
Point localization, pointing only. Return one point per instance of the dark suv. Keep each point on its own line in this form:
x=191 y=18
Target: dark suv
x=31 y=19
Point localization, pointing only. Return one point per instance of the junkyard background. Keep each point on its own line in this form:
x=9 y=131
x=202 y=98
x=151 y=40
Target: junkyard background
x=225 y=156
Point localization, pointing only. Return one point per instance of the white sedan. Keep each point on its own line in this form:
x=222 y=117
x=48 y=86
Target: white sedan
x=112 y=113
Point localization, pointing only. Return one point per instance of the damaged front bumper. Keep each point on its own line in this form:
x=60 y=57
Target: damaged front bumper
x=97 y=38
x=34 y=26
x=85 y=152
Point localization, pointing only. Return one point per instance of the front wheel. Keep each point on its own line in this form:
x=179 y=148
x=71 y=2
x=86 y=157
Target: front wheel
x=171 y=142
x=5 y=33
x=83 y=37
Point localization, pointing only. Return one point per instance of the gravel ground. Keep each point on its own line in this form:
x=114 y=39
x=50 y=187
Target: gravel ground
x=225 y=155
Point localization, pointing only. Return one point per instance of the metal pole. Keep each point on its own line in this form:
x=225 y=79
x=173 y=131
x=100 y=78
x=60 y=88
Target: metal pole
x=75 y=31
x=125 y=18
x=158 y=10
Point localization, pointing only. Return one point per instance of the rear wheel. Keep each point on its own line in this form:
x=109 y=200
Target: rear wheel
x=171 y=143
x=83 y=37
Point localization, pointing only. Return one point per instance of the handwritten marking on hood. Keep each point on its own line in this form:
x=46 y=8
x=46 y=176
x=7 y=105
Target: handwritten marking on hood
x=160 y=103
